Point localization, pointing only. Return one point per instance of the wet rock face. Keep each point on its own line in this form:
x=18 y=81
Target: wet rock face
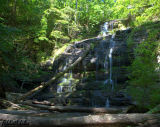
x=97 y=91
x=93 y=72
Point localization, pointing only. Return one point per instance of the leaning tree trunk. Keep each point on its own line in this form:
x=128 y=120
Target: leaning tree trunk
x=53 y=79
x=107 y=120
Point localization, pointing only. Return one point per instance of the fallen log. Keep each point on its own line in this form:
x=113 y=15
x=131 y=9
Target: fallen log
x=75 y=108
x=108 y=120
x=22 y=112
x=53 y=79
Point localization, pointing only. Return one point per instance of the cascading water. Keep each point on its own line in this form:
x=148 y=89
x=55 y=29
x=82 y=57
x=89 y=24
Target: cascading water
x=105 y=28
x=97 y=63
x=101 y=51
x=107 y=103
x=70 y=81
x=66 y=63
x=59 y=89
x=109 y=61
x=111 y=47
x=66 y=81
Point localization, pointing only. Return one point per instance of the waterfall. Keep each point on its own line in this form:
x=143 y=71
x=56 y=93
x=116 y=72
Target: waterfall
x=107 y=103
x=65 y=66
x=70 y=81
x=103 y=55
x=97 y=65
x=104 y=29
x=59 y=89
x=66 y=81
x=111 y=47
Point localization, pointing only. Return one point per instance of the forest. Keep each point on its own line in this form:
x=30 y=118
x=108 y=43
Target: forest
x=80 y=63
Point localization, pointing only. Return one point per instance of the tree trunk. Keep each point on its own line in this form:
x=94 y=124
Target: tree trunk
x=22 y=112
x=108 y=120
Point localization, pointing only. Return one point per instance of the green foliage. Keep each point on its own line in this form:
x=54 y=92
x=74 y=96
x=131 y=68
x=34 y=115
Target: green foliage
x=57 y=26
x=33 y=30
x=6 y=49
x=144 y=74
x=26 y=12
x=139 y=12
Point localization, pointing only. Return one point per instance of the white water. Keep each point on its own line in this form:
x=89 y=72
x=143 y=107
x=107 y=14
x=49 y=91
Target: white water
x=97 y=64
x=59 y=89
x=105 y=28
x=107 y=103
x=66 y=64
x=111 y=48
x=70 y=81
x=66 y=81
x=106 y=62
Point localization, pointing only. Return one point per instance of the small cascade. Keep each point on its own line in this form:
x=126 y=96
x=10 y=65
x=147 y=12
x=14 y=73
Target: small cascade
x=59 y=89
x=97 y=64
x=107 y=103
x=104 y=29
x=70 y=81
x=65 y=66
x=66 y=81
x=106 y=62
